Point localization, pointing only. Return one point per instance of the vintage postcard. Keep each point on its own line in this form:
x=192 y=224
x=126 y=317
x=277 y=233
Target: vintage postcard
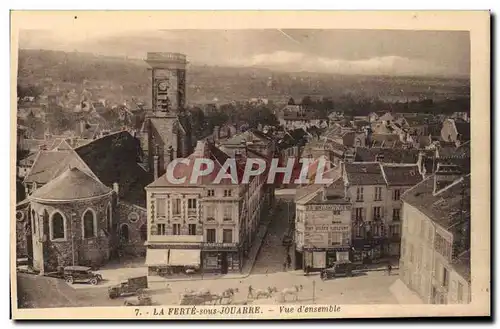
x=250 y=165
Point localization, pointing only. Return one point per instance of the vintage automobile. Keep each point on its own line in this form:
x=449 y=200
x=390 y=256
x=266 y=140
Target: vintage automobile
x=83 y=274
x=342 y=268
x=128 y=287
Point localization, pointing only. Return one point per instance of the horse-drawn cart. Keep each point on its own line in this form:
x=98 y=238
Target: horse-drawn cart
x=205 y=297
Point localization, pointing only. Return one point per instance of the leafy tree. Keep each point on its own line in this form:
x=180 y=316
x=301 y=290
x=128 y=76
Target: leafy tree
x=307 y=101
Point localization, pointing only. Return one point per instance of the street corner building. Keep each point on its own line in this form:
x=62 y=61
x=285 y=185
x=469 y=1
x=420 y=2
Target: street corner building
x=435 y=252
x=202 y=225
x=323 y=226
x=356 y=218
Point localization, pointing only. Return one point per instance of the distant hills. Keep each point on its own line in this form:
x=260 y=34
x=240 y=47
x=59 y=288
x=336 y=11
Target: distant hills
x=127 y=78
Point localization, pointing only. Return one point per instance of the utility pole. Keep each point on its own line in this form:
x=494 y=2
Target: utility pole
x=314 y=290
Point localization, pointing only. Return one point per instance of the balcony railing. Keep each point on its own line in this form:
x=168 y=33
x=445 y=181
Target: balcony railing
x=176 y=238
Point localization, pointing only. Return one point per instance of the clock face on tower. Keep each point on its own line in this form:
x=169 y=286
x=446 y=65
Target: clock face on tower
x=163 y=85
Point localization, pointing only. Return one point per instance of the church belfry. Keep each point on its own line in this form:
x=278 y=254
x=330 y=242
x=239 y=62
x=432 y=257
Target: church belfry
x=168 y=82
x=167 y=128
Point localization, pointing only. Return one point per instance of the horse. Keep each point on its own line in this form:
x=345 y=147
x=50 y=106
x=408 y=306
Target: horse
x=267 y=293
x=228 y=293
x=291 y=291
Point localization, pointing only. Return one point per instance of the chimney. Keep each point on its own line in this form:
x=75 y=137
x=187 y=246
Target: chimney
x=116 y=188
x=216 y=133
x=82 y=126
x=170 y=154
x=445 y=175
x=420 y=163
x=155 y=166
x=199 y=150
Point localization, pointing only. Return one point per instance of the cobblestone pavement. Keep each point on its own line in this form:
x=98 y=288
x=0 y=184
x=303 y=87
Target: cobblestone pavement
x=272 y=254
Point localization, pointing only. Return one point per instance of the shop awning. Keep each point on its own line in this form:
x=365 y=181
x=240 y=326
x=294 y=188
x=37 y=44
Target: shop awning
x=184 y=257
x=157 y=257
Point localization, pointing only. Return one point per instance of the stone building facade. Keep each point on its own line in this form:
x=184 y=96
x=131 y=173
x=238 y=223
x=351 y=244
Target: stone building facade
x=435 y=249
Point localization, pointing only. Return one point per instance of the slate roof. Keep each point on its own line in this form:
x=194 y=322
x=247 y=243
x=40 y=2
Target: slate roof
x=46 y=165
x=113 y=159
x=71 y=185
x=385 y=140
x=251 y=135
x=401 y=175
x=364 y=174
x=335 y=194
x=181 y=170
x=390 y=155
x=444 y=207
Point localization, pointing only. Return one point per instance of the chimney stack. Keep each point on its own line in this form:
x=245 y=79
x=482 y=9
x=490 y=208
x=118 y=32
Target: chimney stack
x=155 y=166
x=216 y=133
x=445 y=175
x=116 y=188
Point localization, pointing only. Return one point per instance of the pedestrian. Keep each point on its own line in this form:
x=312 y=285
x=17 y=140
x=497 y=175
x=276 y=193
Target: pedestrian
x=284 y=266
x=389 y=269
x=250 y=292
x=288 y=261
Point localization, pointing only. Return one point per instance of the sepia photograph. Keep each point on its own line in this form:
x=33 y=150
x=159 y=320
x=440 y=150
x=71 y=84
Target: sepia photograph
x=181 y=167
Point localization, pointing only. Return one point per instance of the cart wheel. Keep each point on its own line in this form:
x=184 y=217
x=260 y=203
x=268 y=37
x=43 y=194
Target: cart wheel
x=94 y=281
x=69 y=280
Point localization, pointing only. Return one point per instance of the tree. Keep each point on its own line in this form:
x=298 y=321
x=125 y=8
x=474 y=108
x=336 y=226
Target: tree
x=307 y=101
x=291 y=101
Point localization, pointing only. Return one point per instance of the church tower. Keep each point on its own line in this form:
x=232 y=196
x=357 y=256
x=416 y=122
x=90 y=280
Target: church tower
x=167 y=129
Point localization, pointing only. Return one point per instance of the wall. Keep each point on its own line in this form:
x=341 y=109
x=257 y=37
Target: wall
x=60 y=252
x=448 y=131
x=313 y=224
x=453 y=295
x=417 y=253
x=134 y=217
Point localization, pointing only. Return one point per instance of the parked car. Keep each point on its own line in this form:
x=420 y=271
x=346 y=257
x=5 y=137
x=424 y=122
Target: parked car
x=130 y=286
x=83 y=274
x=343 y=268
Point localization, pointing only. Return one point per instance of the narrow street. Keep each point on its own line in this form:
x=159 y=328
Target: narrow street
x=272 y=254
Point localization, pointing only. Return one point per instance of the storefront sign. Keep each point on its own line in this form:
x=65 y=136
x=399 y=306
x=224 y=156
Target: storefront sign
x=227 y=246
x=316 y=238
x=327 y=207
x=327 y=228
x=336 y=249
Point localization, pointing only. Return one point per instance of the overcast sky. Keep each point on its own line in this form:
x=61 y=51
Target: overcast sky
x=440 y=53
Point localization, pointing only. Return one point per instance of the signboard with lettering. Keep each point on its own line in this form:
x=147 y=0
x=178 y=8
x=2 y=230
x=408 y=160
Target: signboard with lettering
x=330 y=207
x=316 y=239
x=327 y=228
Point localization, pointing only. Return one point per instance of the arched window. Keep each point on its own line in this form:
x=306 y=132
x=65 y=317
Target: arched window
x=89 y=224
x=57 y=226
x=144 y=232
x=124 y=233
x=33 y=218
x=109 y=217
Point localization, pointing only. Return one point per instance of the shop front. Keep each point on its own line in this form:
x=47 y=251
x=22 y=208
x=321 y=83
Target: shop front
x=171 y=260
x=319 y=258
x=221 y=258
x=367 y=252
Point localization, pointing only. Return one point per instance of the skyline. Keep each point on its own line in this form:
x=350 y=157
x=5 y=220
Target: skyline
x=366 y=52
